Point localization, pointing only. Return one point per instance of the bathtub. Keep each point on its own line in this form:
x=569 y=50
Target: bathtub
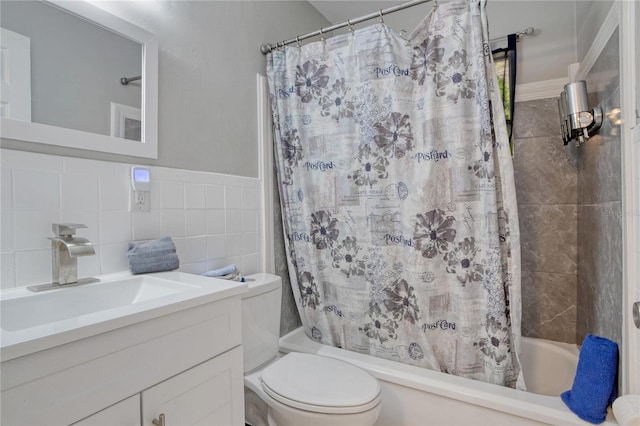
x=415 y=396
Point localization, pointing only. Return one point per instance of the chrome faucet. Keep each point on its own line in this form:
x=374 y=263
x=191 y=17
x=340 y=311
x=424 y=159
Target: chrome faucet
x=65 y=250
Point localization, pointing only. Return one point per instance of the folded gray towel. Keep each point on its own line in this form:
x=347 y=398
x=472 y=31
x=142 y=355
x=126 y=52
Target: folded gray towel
x=153 y=256
x=227 y=270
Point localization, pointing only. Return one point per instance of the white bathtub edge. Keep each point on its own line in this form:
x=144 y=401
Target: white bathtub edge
x=518 y=403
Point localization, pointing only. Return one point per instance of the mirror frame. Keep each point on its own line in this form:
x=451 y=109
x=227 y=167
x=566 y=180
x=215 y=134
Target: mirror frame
x=71 y=138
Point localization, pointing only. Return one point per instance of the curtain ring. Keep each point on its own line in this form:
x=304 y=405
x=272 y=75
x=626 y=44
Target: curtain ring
x=283 y=44
x=381 y=20
x=350 y=26
x=435 y=4
x=322 y=36
x=298 y=41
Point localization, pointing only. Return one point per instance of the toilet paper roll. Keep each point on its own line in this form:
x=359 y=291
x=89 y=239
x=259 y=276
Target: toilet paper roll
x=626 y=409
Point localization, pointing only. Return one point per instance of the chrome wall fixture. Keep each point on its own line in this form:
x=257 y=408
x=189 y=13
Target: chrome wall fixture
x=126 y=80
x=577 y=121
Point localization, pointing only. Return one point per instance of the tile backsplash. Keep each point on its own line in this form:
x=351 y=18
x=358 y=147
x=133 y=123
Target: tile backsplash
x=213 y=219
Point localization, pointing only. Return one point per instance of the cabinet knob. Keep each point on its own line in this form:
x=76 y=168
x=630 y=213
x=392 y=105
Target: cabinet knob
x=159 y=421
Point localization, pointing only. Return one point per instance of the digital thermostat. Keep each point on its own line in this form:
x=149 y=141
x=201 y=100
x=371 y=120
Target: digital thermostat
x=140 y=178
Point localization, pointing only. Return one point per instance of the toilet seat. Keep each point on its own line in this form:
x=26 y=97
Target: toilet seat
x=320 y=384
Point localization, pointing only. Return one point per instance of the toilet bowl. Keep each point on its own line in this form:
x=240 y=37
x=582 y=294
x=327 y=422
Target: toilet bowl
x=304 y=389
x=297 y=389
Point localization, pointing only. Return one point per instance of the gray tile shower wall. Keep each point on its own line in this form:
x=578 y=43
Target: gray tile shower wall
x=600 y=208
x=546 y=187
x=556 y=292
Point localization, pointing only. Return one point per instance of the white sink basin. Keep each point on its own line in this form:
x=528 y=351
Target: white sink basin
x=36 y=321
x=61 y=304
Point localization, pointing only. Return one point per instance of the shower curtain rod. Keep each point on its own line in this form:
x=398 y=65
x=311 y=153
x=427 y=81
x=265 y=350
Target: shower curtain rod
x=526 y=32
x=266 y=48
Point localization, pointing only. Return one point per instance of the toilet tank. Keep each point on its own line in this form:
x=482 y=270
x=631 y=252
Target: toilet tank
x=261 y=319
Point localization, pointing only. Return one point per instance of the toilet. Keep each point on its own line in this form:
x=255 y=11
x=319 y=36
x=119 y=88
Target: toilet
x=296 y=388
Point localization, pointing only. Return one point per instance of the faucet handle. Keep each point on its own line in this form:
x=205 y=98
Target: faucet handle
x=66 y=229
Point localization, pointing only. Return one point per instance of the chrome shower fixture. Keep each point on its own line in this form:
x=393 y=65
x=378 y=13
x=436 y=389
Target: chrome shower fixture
x=577 y=121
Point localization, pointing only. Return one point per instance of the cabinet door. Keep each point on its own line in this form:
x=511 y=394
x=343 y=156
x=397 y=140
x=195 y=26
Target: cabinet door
x=211 y=393
x=124 y=413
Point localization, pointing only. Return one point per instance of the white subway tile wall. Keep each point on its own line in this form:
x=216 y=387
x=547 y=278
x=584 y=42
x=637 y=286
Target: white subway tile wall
x=212 y=218
x=7 y=275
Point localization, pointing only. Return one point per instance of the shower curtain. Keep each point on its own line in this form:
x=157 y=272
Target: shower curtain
x=398 y=198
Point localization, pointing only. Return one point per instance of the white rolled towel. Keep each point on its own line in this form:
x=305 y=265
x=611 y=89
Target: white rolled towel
x=626 y=409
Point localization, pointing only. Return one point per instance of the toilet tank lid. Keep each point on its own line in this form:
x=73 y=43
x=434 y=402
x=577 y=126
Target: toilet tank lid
x=261 y=283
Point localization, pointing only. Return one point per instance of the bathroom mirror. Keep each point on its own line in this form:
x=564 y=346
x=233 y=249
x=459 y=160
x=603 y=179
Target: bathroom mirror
x=71 y=56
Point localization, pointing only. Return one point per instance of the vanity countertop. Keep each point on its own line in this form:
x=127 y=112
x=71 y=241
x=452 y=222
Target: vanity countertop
x=35 y=321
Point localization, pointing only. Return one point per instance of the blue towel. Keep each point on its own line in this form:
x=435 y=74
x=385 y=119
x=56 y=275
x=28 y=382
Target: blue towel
x=594 y=386
x=229 y=269
x=153 y=256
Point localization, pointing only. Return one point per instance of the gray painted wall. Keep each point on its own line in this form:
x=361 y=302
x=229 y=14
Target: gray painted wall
x=75 y=66
x=208 y=59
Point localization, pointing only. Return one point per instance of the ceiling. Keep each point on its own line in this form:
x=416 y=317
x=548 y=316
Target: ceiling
x=339 y=11
x=546 y=55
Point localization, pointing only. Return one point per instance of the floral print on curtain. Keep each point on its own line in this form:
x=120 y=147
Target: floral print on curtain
x=398 y=197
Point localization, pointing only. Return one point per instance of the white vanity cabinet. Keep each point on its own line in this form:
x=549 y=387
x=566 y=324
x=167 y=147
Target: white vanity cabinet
x=185 y=364
x=124 y=413
x=202 y=395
